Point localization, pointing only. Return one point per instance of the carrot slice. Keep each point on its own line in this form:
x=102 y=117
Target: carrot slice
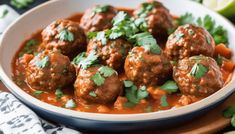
x=222 y=50
x=228 y=66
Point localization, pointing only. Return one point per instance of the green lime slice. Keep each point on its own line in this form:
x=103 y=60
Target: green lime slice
x=224 y=7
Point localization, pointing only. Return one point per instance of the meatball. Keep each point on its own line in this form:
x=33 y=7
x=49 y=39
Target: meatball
x=146 y=68
x=112 y=54
x=65 y=36
x=198 y=76
x=88 y=91
x=98 y=18
x=189 y=40
x=49 y=71
x=159 y=21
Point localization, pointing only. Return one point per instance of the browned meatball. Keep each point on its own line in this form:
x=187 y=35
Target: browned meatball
x=65 y=36
x=113 y=53
x=88 y=91
x=49 y=71
x=158 y=19
x=98 y=18
x=147 y=68
x=189 y=40
x=198 y=76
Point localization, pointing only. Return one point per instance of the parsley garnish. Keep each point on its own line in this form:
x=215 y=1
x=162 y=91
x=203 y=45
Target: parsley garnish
x=21 y=3
x=170 y=86
x=133 y=94
x=147 y=41
x=198 y=70
x=66 y=35
x=100 y=9
x=146 y=8
x=91 y=35
x=179 y=36
x=59 y=93
x=101 y=37
x=79 y=58
x=70 y=104
x=92 y=93
x=43 y=62
x=88 y=61
x=4 y=13
x=148 y=109
x=103 y=72
x=28 y=49
x=106 y=71
x=98 y=79
x=141 y=24
x=37 y=93
x=187 y=18
x=163 y=101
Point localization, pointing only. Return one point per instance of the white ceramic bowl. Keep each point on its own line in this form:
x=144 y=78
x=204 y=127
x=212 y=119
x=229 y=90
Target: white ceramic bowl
x=41 y=16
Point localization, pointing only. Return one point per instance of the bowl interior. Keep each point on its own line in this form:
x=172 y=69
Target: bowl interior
x=41 y=16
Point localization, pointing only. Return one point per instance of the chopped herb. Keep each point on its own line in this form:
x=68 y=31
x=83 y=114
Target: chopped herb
x=28 y=48
x=89 y=60
x=100 y=9
x=129 y=104
x=146 y=8
x=147 y=41
x=141 y=24
x=101 y=37
x=37 y=93
x=91 y=35
x=198 y=70
x=142 y=92
x=98 y=79
x=4 y=13
x=187 y=18
x=128 y=83
x=92 y=93
x=59 y=93
x=229 y=112
x=120 y=18
x=70 y=104
x=148 y=109
x=21 y=3
x=163 y=101
x=133 y=94
x=66 y=35
x=79 y=58
x=179 y=36
x=170 y=86
x=106 y=71
x=43 y=62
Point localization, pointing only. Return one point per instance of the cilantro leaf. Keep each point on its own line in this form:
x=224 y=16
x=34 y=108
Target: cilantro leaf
x=28 y=48
x=120 y=17
x=100 y=9
x=170 y=86
x=146 y=8
x=220 y=59
x=179 y=36
x=163 y=101
x=43 y=62
x=59 y=93
x=148 y=109
x=141 y=24
x=198 y=70
x=79 y=58
x=37 y=93
x=4 y=13
x=91 y=35
x=101 y=37
x=131 y=94
x=142 y=93
x=66 y=35
x=128 y=83
x=70 y=104
x=89 y=60
x=98 y=79
x=187 y=18
x=92 y=93
x=106 y=71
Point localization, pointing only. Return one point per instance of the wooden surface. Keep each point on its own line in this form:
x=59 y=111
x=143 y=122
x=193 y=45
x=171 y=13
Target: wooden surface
x=210 y=122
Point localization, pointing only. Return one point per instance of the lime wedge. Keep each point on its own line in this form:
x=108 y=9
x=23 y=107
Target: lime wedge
x=224 y=7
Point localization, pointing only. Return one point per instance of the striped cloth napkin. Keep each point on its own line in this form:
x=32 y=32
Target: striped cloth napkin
x=15 y=117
